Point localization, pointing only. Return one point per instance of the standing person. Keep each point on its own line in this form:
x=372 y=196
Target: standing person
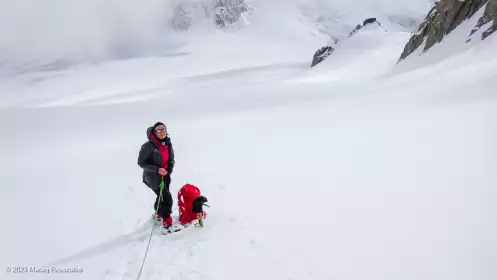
x=157 y=160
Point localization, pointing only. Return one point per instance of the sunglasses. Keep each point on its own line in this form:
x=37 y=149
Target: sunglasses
x=160 y=130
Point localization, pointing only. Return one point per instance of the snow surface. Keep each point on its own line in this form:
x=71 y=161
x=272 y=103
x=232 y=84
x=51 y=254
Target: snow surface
x=356 y=169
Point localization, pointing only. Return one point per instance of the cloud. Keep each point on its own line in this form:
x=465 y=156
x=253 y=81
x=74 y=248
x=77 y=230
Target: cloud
x=80 y=30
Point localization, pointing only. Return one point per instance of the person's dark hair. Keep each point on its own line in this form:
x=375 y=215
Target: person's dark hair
x=157 y=124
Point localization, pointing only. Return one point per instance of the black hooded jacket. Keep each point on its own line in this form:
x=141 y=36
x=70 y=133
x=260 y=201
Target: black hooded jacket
x=150 y=159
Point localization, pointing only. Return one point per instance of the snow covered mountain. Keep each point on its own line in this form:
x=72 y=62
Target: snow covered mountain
x=56 y=34
x=362 y=167
x=446 y=16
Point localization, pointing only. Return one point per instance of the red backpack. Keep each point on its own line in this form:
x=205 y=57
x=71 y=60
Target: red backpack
x=190 y=204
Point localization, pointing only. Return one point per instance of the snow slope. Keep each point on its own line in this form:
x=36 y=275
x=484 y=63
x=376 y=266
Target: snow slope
x=357 y=169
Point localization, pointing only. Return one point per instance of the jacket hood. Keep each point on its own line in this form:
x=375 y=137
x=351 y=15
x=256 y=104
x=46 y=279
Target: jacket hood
x=150 y=133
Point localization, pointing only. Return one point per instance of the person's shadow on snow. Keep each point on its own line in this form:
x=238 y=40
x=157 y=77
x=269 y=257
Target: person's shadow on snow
x=138 y=235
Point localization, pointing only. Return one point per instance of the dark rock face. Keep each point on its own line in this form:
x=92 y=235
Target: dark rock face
x=441 y=20
x=357 y=28
x=369 y=21
x=490 y=14
x=326 y=51
x=229 y=11
x=321 y=55
x=225 y=12
x=366 y=22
